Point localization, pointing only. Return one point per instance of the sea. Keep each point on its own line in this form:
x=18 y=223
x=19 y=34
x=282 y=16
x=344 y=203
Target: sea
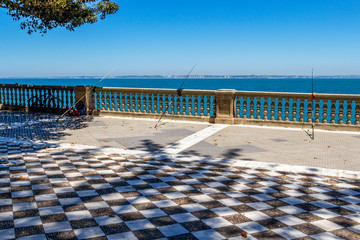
x=303 y=85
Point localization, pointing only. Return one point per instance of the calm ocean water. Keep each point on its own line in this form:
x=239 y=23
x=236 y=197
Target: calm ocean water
x=341 y=86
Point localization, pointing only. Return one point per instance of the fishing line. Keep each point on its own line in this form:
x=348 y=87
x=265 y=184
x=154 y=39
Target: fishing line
x=178 y=91
x=91 y=89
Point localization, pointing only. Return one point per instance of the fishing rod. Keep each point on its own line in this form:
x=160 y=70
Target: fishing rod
x=178 y=91
x=312 y=98
x=91 y=89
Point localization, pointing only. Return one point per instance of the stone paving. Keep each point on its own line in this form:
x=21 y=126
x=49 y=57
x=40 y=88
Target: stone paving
x=57 y=190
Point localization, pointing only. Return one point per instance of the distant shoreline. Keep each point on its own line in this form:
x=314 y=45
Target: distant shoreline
x=195 y=77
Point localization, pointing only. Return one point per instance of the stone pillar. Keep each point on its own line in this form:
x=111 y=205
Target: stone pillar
x=225 y=106
x=84 y=94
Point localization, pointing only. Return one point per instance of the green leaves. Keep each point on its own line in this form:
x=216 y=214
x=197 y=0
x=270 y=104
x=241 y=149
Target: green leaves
x=43 y=15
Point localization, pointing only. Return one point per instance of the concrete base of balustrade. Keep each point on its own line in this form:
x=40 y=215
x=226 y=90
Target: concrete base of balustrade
x=258 y=122
x=305 y=125
x=156 y=116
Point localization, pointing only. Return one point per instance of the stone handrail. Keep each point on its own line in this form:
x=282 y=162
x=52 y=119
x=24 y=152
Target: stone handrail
x=327 y=111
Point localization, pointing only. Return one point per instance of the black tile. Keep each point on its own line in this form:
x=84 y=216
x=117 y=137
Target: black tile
x=115 y=228
x=27 y=231
x=195 y=226
x=148 y=234
x=83 y=223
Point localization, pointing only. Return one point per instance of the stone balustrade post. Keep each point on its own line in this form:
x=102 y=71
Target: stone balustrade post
x=85 y=94
x=225 y=106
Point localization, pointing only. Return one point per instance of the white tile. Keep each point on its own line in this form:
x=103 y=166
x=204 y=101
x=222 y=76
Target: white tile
x=76 y=215
x=323 y=204
x=7 y=234
x=90 y=232
x=235 y=194
x=25 y=222
x=354 y=217
x=209 y=234
x=224 y=211
x=291 y=209
x=4 y=202
x=184 y=217
x=174 y=195
x=259 y=205
x=263 y=197
x=352 y=207
x=139 y=224
x=149 y=191
x=193 y=207
x=136 y=182
x=107 y=220
x=111 y=196
x=27 y=193
x=33 y=237
x=125 y=189
x=46 y=197
x=57 y=227
x=251 y=227
x=326 y=225
x=41 y=186
x=125 y=235
x=24 y=206
x=290 y=220
x=355 y=228
x=289 y=233
x=326 y=236
x=152 y=213
x=87 y=193
x=124 y=209
x=165 y=203
x=70 y=201
x=96 y=205
x=4 y=216
x=63 y=190
x=256 y=215
x=159 y=185
x=216 y=222
x=172 y=230
x=137 y=199
x=323 y=213
x=351 y=199
x=348 y=192
x=183 y=187
x=215 y=184
x=202 y=198
x=58 y=180
x=321 y=196
x=230 y=202
x=292 y=200
x=51 y=210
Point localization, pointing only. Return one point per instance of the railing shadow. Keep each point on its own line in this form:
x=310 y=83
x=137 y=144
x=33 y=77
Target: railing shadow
x=39 y=126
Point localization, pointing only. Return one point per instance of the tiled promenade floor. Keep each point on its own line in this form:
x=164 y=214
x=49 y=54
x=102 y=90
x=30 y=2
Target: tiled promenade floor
x=67 y=191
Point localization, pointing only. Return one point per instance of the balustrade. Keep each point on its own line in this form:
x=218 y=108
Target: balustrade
x=287 y=109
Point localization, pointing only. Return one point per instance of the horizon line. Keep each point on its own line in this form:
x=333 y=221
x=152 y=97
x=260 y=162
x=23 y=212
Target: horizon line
x=191 y=76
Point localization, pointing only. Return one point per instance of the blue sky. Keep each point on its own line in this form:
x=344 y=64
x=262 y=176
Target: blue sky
x=170 y=36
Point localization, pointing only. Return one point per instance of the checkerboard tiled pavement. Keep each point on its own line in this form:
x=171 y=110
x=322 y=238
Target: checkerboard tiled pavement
x=53 y=193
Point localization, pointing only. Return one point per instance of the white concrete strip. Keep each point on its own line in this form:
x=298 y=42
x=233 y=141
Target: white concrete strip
x=297 y=169
x=191 y=140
